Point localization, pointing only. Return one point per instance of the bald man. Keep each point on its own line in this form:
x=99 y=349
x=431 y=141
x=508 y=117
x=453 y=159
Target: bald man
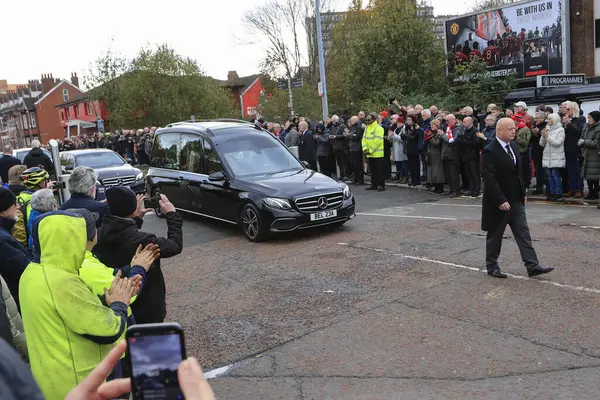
x=504 y=201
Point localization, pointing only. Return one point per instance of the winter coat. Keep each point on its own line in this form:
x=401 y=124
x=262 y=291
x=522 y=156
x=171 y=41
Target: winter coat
x=14 y=257
x=490 y=134
x=292 y=138
x=537 y=151
x=451 y=151
x=84 y=201
x=554 y=150
x=16 y=324
x=323 y=147
x=470 y=144
x=522 y=138
x=398 y=143
x=307 y=147
x=435 y=169
x=573 y=132
x=37 y=158
x=411 y=136
x=118 y=240
x=16 y=381
x=339 y=142
x=356 y=134
x=69 y=331
x=590 y=168
x=6 y=163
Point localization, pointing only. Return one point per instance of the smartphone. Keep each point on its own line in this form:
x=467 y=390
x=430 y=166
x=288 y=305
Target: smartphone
x=155 y=352
x=152 y=202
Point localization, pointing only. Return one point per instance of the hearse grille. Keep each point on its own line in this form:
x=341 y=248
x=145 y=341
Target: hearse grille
x=320 y=202
x=119 y=181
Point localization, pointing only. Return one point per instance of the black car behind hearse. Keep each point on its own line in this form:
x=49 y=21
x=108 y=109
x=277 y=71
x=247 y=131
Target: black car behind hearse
x=237 y=173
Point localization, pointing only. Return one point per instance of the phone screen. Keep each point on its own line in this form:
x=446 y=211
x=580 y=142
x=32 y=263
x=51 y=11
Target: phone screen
x=154 y=362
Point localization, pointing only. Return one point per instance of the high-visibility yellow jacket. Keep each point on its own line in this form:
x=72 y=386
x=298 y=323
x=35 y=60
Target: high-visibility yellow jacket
x=372 y=141
x=69 y=331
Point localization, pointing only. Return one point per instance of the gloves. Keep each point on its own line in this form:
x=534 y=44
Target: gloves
x=451 y=140
x=580 y=142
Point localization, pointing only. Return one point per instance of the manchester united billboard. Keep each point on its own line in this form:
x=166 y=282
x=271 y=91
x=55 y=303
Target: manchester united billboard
x=524 y=39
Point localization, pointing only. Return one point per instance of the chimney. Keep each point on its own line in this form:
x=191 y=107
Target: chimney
x=74 y=79
x=47 y=82
x=232 y=76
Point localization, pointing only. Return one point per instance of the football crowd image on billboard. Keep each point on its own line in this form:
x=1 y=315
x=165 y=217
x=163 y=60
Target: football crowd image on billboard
x=524 y=39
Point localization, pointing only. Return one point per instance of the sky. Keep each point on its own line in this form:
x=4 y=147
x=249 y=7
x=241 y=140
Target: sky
x=153 y=353
x=70 y=35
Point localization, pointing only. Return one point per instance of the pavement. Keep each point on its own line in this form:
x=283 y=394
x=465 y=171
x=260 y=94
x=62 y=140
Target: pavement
x=394 y=305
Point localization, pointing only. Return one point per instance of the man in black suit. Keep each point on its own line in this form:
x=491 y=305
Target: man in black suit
x=504 y=201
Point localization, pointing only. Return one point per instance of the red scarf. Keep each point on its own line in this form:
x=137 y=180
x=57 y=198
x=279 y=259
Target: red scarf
x=518 y=118
x=449 y=131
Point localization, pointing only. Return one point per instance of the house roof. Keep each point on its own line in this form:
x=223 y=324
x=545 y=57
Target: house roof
x=241 y=82
x=30 y=103
x=78 y=98
x=54 y=88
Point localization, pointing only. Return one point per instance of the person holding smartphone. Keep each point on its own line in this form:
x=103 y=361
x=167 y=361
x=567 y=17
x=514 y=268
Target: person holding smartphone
x=121 y=235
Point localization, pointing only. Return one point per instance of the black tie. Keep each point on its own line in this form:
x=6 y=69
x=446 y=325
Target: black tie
x=510 y=154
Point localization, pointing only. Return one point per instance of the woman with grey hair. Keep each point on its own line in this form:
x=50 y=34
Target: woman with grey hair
x=42 y=201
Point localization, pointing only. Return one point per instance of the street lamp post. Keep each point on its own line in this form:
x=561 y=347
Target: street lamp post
x=321 y=61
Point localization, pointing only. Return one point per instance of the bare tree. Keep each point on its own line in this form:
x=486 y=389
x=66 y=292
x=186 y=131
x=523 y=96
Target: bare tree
x=283 y=23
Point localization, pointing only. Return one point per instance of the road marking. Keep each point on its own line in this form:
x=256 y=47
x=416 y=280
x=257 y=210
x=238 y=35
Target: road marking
x=474 y=269
x=450 y=205
x=406 y=216
x=215 y=373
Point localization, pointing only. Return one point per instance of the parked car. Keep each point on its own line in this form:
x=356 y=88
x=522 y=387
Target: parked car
x=112 y=169
x=235 y=172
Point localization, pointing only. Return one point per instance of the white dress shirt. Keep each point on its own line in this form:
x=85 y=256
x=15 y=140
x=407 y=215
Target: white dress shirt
x=504 y=144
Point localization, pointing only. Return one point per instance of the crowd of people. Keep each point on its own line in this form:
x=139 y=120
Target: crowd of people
x=132 y=144
x=441 y=150
x=73 y=278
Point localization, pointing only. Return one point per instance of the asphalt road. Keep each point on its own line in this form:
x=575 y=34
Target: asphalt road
x=394 y=305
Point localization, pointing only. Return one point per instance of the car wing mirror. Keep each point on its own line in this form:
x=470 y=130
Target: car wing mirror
x=218 y=176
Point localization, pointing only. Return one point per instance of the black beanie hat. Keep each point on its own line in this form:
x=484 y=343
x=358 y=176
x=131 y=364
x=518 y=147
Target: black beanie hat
x=7 y=199
x=595 y=116
x=121 y=201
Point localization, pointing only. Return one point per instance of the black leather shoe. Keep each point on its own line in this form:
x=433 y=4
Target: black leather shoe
x=381 y=189
x=496 y=273
x=539 y=270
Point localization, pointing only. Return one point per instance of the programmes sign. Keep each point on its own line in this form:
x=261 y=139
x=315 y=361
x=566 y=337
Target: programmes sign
x=524 y=39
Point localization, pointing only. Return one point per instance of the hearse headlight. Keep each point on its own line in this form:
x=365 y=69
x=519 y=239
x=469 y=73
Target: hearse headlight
x=347 y=191
x=139 y=176
x=280 y=204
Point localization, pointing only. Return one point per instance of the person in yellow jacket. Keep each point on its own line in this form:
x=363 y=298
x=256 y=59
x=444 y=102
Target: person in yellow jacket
x=69 y=331
x=373 y=148
x=34 y=179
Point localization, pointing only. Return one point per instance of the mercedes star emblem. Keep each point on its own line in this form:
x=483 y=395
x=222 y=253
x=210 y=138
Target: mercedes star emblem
x=120 y=182
x=322 y=203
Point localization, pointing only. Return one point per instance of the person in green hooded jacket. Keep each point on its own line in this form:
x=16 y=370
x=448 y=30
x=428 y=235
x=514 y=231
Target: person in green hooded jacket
x=69 y=331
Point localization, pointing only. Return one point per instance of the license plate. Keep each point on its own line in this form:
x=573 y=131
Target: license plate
x=323 y=215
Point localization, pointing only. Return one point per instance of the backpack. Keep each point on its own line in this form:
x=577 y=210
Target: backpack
x=20 y=231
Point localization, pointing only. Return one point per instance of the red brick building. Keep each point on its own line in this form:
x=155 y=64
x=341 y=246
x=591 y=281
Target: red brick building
x=79 y=114
x=245 y=91
x=18 y=117
x=55 y=92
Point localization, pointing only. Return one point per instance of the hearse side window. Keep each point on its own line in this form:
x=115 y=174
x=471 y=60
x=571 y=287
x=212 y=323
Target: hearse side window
x=191 y=154
x=213 y=162
x=165 y=152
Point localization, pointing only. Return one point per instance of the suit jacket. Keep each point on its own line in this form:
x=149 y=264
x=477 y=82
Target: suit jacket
x=503 y=182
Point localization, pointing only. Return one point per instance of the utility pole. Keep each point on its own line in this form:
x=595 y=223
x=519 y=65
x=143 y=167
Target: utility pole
x=291 y=96
x=321 y=60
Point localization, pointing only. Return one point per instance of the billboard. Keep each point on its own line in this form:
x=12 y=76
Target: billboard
x=523 y=39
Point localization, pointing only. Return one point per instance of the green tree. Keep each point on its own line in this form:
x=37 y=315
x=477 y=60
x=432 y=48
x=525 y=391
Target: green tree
x=158 y=86
x=275 y=106
x=385 y=49
x=473 y=84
